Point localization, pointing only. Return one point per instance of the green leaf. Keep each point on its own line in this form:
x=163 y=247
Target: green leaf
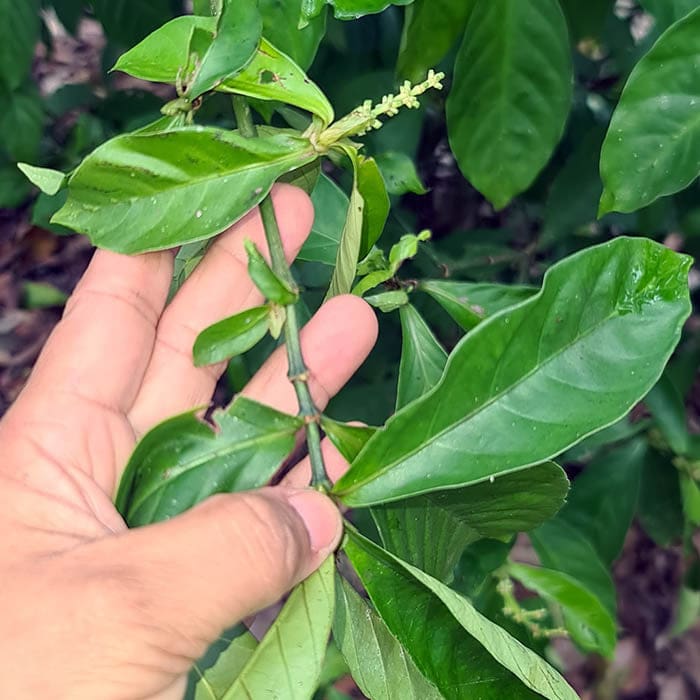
x=22 y=117
x=280 y=20
x=207 y=7
x=668 y=408
x=351 y=240
x=589 y=623
x=432 y=531
x=271 y=286
x=423 y=359
x=653 y=144
x=399 y=173
x=376 y=203
x=141 y=192
x=47 y=180
x=690 y=495
x=390 y=301
x=470 y=651
x=289 y=659
x=379 y=664
x=348 y=439
x=41 y=295
x=469 y=303
x=304 y=178
x=431 y=29
x=183 y=460
x=232 y=336
x=511 y=94
x=562 y=547
x=127 y=21
x=217 y=679
x=346 y=9
x=14 y=187
x=18 y=36
x=331 y=208
x=660 y=508
x=235 y=42
x=518 y=389
x=603 y=498
x=586 y=20
x=666 y=12
x=273 y=76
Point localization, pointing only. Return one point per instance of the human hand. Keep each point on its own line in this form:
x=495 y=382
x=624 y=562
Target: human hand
x=88 y=608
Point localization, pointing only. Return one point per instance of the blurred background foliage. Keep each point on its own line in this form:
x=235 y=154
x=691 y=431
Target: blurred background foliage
x=632 y=516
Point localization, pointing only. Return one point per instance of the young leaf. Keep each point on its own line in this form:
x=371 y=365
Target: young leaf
x=141 y=192
x=47 y=180
x=469 y=303
x=273 y=76
x=289 y=659
x=235 y=41
x=600 y=330
x=379 y=664
x=345 y=9
x=347 y=439
x=266 y=280
x=423 y=359
x=183 y=460
x=430 y=30
x=432 y=531
x=390 y=301
x=653 y=144
x=589 y=623
x=350 y=245
x=470 y=651
x=511 y=94
x=231 y=336
x=331 y=208
x=399 y=173
x=376 y=203
x=218 y=679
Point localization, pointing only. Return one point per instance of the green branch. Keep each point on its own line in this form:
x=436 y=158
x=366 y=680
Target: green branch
x=298 y=372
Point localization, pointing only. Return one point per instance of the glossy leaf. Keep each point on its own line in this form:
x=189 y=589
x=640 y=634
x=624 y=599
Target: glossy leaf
x=47 y=180
x=347 y=439
x=269 y=284
x=518 y=389
x=351 y=240
x=432 y=531
x=231 y=336
x=603 y=498
x=235 y=42
x=564 y=548
x=289 y=659
x=653 y=144
x=589 y=623
x=18 y=36
x=470 y=651
x=280 y=26
x=399 y=173
x=183 y=460
x=331 y=208
x=431 y=29
x=216 y=680
x=423 y=359
x=137 y=192
x=371 y=185
x=469 y=303
x=273 y=76
x=511 y=94
x=346 y=9
x=379 y=664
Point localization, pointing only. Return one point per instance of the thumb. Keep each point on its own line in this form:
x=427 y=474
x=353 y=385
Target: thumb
x=229 y=557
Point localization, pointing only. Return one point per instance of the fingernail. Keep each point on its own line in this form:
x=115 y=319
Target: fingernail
x=321 y=518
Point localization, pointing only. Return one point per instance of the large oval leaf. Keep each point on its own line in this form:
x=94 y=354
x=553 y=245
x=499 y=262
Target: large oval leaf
x=288 y=661
x=653 y=145
x=141 y=192
x=379 y=664
x=432 y=531
x=469 y=652
x=537 y=378
x=183 y=460
x=511 y=94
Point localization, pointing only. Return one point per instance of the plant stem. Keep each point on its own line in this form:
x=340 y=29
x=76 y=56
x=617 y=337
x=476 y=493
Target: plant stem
x=298 y=372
